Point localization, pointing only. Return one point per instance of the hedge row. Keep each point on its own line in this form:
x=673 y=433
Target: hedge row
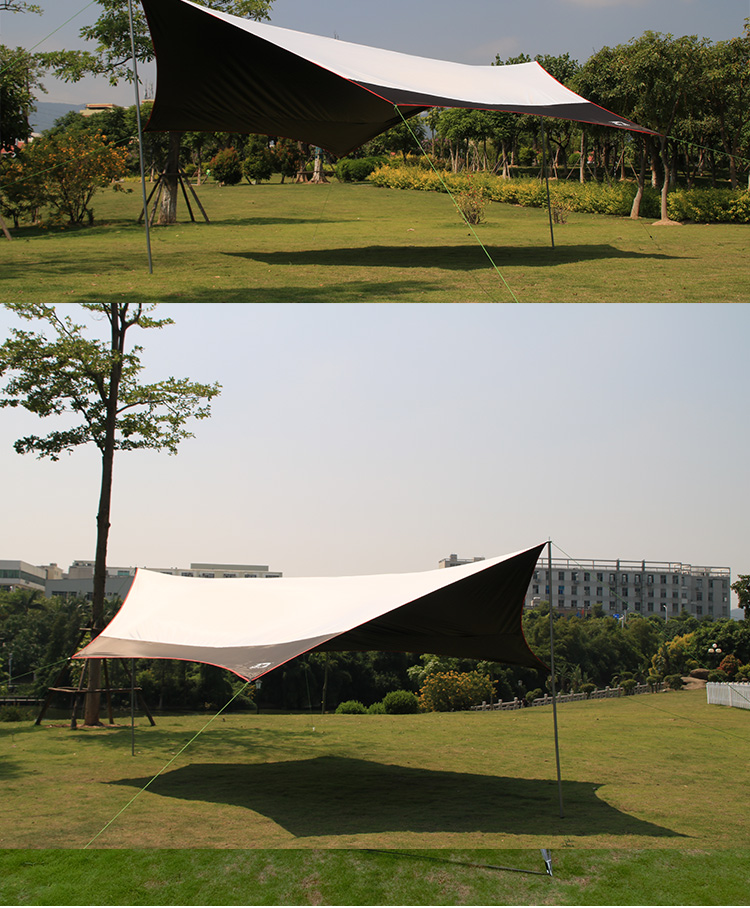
x=701 y=205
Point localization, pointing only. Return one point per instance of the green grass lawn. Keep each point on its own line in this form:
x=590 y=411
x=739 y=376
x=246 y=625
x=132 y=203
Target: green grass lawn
x=654 y=790
x=345 y=243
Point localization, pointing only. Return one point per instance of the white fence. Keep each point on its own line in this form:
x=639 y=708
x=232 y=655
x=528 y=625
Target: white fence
x=546 y=700
x=729 y=693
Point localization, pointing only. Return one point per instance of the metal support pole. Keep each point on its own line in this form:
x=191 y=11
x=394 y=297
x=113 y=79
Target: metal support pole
x=140 y=136
x=552 y=670
x=132 y=707
x=546 y=179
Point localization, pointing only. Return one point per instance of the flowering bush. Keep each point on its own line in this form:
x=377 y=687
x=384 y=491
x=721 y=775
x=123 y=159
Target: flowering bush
x=66 y=169
x=449 y=691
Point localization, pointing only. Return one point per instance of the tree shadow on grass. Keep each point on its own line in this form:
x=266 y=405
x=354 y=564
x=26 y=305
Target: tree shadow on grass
x=451 y=258
x=333 y=796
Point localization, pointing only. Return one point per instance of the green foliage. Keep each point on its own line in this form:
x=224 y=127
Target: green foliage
x=67 y=169
x=226 y=167
x=588 y=688
x=729 y=665
x=9 y=713
x=591 y=198
x=451 y=691
x=356 y=170
x=741 y=587
x=717 y=676
x=19 y=77
x=673 y=682
x=471 y=203
x=710 y=206
x=533 y=695
x=351 y=708
x=628 y=685
x=400 y=702
x=259 y=161
x=376 y=709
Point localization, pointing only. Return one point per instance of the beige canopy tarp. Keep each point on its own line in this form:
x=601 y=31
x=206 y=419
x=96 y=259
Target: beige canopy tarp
x=250 y=626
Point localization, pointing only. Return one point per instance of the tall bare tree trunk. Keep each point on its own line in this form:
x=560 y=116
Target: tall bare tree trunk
x=118 y=327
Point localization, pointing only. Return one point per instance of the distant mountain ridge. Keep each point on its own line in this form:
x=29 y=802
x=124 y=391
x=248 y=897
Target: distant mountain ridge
x=47 y=112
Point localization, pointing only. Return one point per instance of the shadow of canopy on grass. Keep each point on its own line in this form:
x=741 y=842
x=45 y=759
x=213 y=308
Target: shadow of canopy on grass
x=330 y=796
x=451 y=258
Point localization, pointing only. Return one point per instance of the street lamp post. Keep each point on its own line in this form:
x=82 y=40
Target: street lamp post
x=714 y=650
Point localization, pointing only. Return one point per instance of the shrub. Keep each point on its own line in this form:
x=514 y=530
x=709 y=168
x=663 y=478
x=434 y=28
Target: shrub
x=226 y=167
x=729 y=664
x=470 y=202
x=259 y=161
x=400 y=702
x=717 y=676
x=356 y=170
x=448 y=691
x=743 y=673
x=628 y=685
x=13 y=714
x=673 y=682
x=588 y=688
x=350 y=708
x=376 y=709
x=533 y=695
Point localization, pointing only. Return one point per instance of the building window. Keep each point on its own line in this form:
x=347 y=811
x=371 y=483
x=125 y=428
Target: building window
x=649 y=578
x=662 y=594
x=586 y=576
x=675 y=578
x=536 y=575
x=638 y=606
x=699 y=597
x=535 y=588
x=574 y=576
x=613 y=578
x=625 y=591
x=587 y=603
x=587 y=590
x=599 y=577
x=662 y=578
x=650 y=607
x=675 y=595
x=699 y=610
x=574 y=603
x=574 y=589
x=561 y=591
x=600 y=591
x=561 y=575
x=624 y=578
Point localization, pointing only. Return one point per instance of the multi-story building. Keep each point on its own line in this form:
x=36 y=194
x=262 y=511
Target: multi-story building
x=79 y=580
x=454 y=561
x=663 y=588
x=20 y=575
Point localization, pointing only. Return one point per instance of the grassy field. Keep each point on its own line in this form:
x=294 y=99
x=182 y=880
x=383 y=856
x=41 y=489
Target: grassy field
x=653 y=787
x=343 y=243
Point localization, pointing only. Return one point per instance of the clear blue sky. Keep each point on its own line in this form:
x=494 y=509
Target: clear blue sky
x=376 y=438
x=470 y=32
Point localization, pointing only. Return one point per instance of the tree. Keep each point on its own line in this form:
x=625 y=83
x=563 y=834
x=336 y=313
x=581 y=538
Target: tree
x=69 y=168
x=19 y=77
x=64 y=373
x=20 y=6
x=111 y=32
x=741 y=587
